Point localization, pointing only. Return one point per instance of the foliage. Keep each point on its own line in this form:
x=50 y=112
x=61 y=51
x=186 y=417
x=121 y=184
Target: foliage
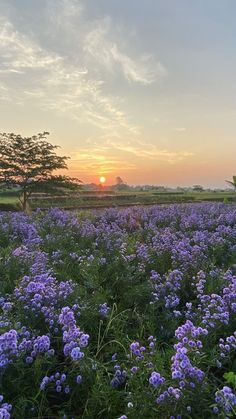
x=230 y=377
x=198 y=188
x=29 y=163
x=232 y=182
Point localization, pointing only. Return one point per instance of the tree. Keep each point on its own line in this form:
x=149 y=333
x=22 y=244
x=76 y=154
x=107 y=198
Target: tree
x=232 y=182
x=29 y=163
x=120 y=185
x=119 y=181
x=198 y=188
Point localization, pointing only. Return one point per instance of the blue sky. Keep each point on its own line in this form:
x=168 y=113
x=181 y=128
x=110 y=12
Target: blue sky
x=142 y=89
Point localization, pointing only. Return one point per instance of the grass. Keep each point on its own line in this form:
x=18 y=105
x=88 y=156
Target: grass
x=9 y=199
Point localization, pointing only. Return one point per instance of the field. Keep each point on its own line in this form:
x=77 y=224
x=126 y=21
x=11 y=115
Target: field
x=128 y=313
x=104 y=199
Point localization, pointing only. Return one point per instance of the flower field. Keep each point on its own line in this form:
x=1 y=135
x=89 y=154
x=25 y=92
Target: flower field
x=124 y=314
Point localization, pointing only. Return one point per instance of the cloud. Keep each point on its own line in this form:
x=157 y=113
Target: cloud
x=180 y=129
x=145 y=151
x=37 y=70
x=19 y=53
x=114 y=155
x=63 y=17
x=57 y=84
x=95 y=159
x=108 y=54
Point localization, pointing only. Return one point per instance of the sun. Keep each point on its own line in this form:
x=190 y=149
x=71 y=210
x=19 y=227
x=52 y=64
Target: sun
x=102 y=179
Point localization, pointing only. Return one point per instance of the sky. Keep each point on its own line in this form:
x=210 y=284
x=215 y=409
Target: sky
x=141 y=89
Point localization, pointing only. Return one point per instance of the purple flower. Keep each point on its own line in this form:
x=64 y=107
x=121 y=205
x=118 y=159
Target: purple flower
x=156 y=379
x=76 y=354
x=225 y=399
x=134 y=370
x=103 y=309
x=5 y=408
x=79 y=379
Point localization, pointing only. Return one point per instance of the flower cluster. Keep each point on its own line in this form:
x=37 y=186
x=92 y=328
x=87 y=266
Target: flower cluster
x=137 y=350
x=167 y=287
x=156 y=379
x=8 y=347
x=41 y=294
x=16 y=343
x=227 y=345
x=58 y=380
x=182 y=368
x=103 y=309
x=73 y=337
x=5 y=409
x=119 y=377
x=171 y=394
x=36 y=345
x=225 y=400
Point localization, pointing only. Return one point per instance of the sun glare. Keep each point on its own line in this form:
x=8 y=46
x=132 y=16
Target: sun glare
x=102 y=179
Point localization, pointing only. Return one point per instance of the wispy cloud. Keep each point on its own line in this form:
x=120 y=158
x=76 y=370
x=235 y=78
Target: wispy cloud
x=99 y=161
x=19 y=53
x=113 y=155
x=145 y=151
x=56 y=84
x=109 y=55
x=64 y=17
x=64 y=80
x=46 y=77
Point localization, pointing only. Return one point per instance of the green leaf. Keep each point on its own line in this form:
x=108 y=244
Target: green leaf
x=230 y=377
